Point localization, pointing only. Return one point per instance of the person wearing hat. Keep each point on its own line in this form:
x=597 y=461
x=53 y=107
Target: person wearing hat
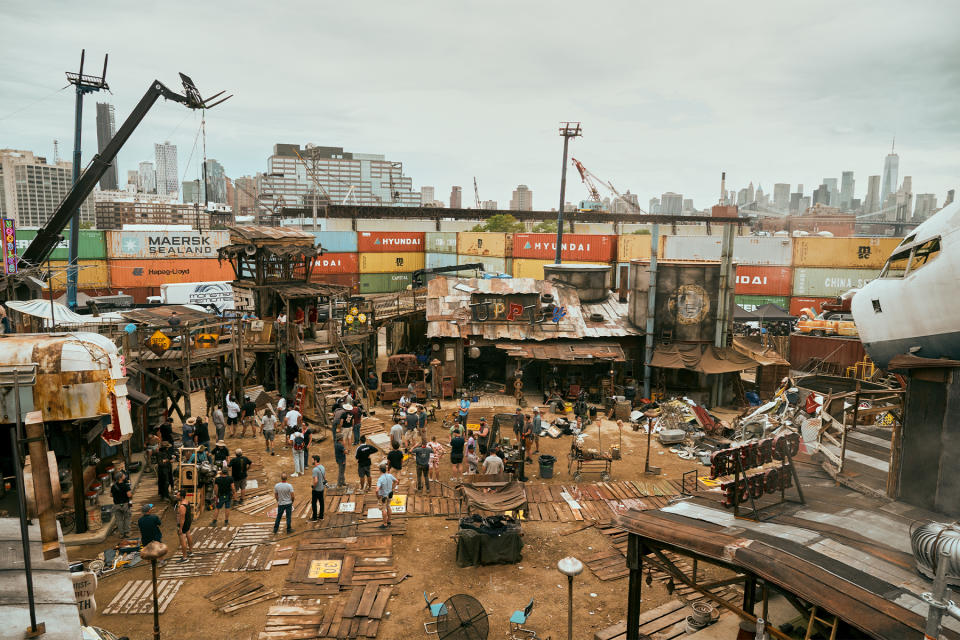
x=198 y=456
x=347 y=423
x=412 y=422
x=225 y=493
x=220 y=453
x=188 y=433
x=149 y=526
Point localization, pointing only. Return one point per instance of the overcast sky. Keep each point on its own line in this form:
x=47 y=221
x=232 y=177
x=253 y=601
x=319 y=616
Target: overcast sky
x=670 y=94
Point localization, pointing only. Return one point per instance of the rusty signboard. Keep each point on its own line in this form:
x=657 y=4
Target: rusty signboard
x=158 y=343
x=514 y=308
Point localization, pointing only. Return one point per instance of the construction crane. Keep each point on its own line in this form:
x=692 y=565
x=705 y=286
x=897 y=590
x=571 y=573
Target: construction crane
x=589 y=180
x=476 y=193
x=49 y=235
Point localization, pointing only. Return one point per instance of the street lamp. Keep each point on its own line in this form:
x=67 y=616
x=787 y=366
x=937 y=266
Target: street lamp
x=570 y=567
x=153 y=552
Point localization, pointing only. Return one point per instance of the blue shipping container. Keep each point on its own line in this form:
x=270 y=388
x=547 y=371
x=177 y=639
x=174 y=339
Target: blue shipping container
x=336 y=241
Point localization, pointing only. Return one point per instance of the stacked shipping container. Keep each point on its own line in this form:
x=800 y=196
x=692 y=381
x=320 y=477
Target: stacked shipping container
x=388 y=259
x=493 y=250
x=92 y=276
x=533 y=250
x=340 y=262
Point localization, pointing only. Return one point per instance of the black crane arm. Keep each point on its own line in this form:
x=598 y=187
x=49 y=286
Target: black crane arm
x=419 y=273
x=48 y=236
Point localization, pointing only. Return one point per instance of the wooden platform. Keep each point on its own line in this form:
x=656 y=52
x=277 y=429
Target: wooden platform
x=666 y=622
x=137 y=597
x=240 y=593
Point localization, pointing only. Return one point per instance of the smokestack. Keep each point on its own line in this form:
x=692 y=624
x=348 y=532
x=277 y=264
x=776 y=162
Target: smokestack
x=723 y=188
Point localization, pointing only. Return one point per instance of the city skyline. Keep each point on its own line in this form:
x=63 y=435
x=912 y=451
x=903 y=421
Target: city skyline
x=673 y=123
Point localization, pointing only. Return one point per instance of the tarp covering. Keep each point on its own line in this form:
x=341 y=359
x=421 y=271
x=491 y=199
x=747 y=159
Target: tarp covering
x=772 y=312
x=493 y=540
x=765 y=356
x=581 y=352
x=62 y=314
x=701 y=358
x=507 y=498
x=742 y=315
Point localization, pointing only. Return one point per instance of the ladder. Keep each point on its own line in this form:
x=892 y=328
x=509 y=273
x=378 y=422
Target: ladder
x=832 y=625
x=298 y=399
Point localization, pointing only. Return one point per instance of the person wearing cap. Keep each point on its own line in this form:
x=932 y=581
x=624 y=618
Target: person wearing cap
x=386 y=485
x=225 y=493
x=149 y=526
x=188 y=432
x=220 y=453
x=198 y=456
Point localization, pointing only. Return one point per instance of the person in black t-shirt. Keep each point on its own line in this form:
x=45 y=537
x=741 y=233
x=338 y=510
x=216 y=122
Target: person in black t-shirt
x=248 y=417
x=203 y=433
x=224 y=485
x=238 y=469
x=456 y=452
x=364 y=451
x=220 y=453
x=165 y=476
x=121 y=493
x=149 y=525
x=395 y=458
x=166 y=430
x=307 y=437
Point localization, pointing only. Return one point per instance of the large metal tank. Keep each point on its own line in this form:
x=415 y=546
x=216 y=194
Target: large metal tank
x=687 y=298
x=592 y=281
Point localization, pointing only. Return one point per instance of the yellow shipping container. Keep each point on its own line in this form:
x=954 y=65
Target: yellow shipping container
x=391 y=262
x=848 y=253
x=533 y=268
x=91 y=274
x=487 y=243
x=632 y=246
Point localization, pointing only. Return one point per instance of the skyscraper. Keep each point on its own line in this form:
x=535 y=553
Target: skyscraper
x=427 y=194
x=31 y=189
x=833 y=191
x=521 y=199
x=147 y=178
x=781 y=197
x=891 y=170
x=245 y=193
x=821 y=195
x=846 y=190
x=216 y=183
x=191 y=191
x=489 y=205
x=872 y=201
x=133 y=179
x=456 y=198
x=925 y=205
x=106 y=128
x=654 y=206
x=671 y=204
x=168 y=182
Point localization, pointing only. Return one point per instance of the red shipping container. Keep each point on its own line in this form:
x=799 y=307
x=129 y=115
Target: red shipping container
x=576 y=246
x=153 y=273
x=390 y=241
x=763 y=281
x=351 y=280
x=336 y=263
x=798 y=304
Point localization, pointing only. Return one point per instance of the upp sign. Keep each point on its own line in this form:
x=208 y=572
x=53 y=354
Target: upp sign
x=727 y=462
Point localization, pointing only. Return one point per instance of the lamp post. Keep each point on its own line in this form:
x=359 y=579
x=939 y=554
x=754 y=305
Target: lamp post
x=153 y=552
x=570 y=567
x=567 y=130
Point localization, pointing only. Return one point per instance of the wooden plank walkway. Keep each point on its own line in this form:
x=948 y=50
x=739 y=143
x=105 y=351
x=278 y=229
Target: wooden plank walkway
x=137 y=597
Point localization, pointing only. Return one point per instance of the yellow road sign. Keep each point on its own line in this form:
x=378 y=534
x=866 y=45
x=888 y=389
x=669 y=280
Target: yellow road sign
x=158 y=342
x=325 y=569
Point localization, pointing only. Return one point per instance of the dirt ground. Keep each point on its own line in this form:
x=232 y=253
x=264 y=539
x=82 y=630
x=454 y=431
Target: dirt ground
x=426 y=553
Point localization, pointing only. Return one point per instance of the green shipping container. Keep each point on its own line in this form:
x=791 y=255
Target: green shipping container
x=93 y=246
x=384 y=282
x=750 y=303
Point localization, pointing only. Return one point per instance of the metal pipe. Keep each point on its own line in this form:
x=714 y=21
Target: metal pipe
x=651 y=309
x=569 y=607
x=75 y=219
x=22 y=499
x=935 y=604
x=156 y=604
x=563 y=191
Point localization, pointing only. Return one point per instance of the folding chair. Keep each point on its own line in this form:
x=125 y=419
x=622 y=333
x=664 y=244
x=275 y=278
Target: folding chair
x=436 y=610
x=519 y=618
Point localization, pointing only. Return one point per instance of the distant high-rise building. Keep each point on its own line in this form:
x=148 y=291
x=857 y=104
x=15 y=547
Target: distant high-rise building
x=846 y=190
x=133 y=180
x=147 y=180
x=626 y=203
x=521 y=199
x=427 y=194
x=671 y=204
x=191 y=191
x=891 y=169
x=924 y=206
x=168 y=182
x=744 y=197
x=904 y=197
x=244 y=196
x=831 y=184
x=949 y=198
x=687 y=206
x=871 y=202
x=31 y=189
x=794 y=206
x=106 y=128
x=654 y=205
x=489 y=205
x=804 y=204
x=821 y=195
x=216 y=182
x=781 y=197
x=456 y=197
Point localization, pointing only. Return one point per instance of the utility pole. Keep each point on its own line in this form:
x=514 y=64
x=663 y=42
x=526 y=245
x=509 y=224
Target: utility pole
x=84 y=85
x=567 y=130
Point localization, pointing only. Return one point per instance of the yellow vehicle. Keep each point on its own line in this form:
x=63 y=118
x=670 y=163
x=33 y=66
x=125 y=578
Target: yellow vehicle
x=828 y=323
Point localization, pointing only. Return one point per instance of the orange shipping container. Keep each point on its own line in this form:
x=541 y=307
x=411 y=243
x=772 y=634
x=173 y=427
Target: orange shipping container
x=799 y=304
x=763 y=281
x=576 y=247
x=153 y=273
x=390 y=241
x=337 y=263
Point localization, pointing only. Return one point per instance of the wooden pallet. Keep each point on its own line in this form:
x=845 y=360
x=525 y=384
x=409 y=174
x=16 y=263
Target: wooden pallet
x=213 y=537
x=257 y=557
x=287 y=622
x=201 y=564
x=137 y=597
x=256 y=505
x=238 y=594
x=253 y=533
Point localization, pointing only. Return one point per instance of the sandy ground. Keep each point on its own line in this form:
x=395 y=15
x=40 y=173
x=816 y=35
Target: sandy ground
x=427 y=554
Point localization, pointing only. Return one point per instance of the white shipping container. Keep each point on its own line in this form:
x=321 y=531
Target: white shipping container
x=436 y=260
x=490 y=265
x=205 y=294
x=757 y=250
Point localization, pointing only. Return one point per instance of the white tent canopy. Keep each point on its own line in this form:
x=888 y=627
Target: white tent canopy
x=61 y=313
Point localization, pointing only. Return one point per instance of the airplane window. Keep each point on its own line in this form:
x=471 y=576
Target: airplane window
x=923 y=254
x=896 y=265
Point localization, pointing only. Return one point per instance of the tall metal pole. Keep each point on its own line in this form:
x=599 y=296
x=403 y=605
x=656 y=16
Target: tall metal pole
x=22 y=497
x=935 y=605
x=567 y=130
x=74 y=243
x=651 y=310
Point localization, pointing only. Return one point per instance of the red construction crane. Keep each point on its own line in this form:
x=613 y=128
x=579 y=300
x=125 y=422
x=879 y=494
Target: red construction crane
x=589 y=177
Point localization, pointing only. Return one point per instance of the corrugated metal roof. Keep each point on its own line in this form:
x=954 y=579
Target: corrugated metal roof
x=580 y=351
x=449 y=315
x=250 y=233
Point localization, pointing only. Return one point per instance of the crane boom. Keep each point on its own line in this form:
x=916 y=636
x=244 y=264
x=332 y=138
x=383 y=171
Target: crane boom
x=476 y=192
x=48 y=236
x=587 y=179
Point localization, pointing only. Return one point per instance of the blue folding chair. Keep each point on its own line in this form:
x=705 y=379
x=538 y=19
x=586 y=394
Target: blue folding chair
x=519 y=618
x=436 y=610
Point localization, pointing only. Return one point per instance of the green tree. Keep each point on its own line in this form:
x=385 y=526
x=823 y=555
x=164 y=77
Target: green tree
x=642 y=232
x=501 y=222
x=547 y=226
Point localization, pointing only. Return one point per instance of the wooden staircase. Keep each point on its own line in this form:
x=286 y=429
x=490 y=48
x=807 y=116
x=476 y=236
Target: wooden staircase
x=331 y=379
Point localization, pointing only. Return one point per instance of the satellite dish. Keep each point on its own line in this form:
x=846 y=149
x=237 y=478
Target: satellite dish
x=250 y=250
x=463 y=619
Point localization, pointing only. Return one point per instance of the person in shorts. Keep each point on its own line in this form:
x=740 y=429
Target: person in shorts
x=239 y=467
x=363 y=453
x=224 y=484
x=411 y=424
x=386 y=485
x=268 y=426
x=457 y=444
x=233 y=416
x=248 y=417
x=437 y=450
x=184 y=522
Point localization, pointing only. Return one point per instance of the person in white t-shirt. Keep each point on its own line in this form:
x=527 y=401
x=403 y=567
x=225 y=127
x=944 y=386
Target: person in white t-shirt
x=233 y=415
x=291 y=422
